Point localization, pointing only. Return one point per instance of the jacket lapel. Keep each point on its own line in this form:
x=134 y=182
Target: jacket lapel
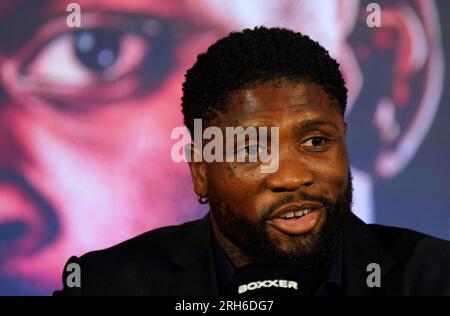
x=362 y=248
x=195 y=259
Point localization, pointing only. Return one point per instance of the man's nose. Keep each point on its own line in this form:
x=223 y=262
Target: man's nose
x=293 y=173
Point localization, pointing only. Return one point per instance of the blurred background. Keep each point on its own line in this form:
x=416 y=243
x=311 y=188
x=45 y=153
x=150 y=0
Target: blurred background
x=86 y=115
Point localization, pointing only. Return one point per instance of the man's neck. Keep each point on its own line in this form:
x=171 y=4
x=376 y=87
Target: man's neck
x=231 y=250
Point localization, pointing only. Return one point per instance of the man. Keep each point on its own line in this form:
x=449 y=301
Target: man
x=82 y=110
x=300 y=212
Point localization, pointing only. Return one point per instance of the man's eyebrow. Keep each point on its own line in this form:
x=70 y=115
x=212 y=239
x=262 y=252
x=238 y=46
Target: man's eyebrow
x=237 y=123
x=28 y=16
x=300 y=126
x=24 y=18
x=315 y=122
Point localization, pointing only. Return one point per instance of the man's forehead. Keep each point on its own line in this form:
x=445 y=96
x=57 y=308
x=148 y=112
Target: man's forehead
x=263 y=98
x=264 y=101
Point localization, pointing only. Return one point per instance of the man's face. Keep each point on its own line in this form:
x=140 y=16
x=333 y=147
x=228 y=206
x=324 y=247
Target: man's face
x=250 y=207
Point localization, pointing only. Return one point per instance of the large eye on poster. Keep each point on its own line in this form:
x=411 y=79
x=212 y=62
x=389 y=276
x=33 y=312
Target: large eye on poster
x=91 y=92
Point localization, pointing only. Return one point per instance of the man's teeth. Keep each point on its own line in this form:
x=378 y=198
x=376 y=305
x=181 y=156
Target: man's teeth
x=299 y=213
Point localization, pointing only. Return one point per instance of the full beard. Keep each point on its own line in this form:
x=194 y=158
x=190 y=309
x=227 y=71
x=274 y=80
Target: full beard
x=315 y=252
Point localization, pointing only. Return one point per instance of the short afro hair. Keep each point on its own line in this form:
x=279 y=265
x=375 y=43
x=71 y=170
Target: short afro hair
x=245 y=59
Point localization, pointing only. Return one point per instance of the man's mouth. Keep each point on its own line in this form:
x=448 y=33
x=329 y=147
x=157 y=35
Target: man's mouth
x=297 y=218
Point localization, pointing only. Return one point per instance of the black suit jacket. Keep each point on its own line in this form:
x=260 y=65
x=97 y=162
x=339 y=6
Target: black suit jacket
x=178 y=260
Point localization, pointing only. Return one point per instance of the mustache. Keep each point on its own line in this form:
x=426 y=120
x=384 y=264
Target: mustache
x=267 y=211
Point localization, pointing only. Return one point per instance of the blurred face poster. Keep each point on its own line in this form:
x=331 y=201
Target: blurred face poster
x=87 y=110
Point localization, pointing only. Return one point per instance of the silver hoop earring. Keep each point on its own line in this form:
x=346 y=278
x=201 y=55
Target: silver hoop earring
x=202 y=199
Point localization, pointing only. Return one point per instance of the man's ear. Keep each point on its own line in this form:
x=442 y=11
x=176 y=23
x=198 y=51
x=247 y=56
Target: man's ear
x=198 y=169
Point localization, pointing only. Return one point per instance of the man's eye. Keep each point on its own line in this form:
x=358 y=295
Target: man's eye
x=83 y=58
x=252 y=149
x=98 y=50
x=250 y=152
x=101 y=63
x=316 y=141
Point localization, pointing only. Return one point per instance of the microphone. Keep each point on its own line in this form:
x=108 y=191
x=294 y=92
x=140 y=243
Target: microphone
x=272 y=278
